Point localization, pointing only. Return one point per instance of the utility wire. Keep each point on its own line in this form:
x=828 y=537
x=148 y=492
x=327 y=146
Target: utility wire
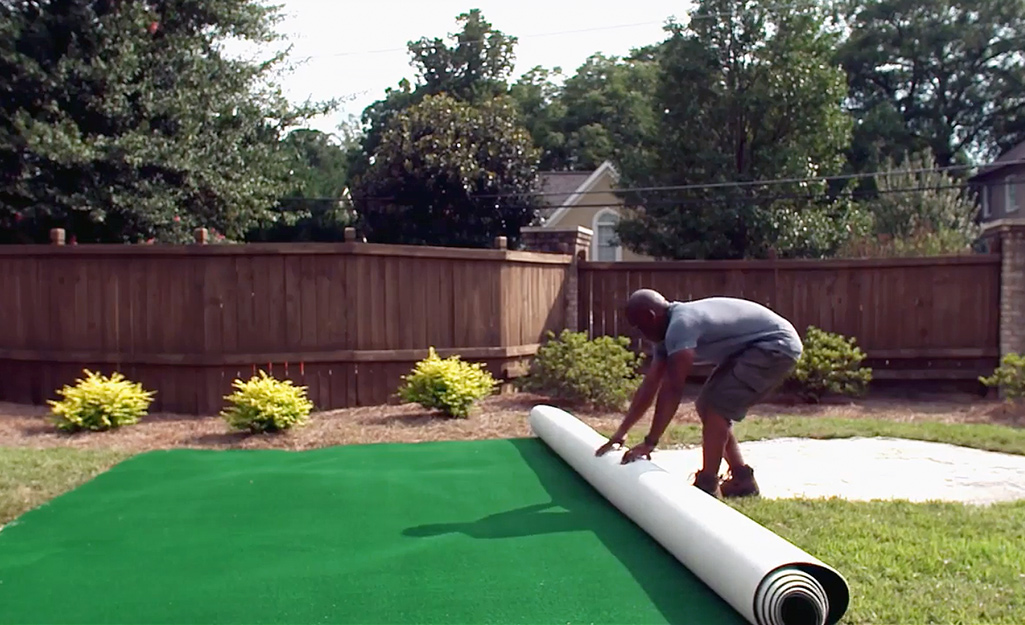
x=770 y=182
x=460 y=40
x=742 y=185
x=720 y=200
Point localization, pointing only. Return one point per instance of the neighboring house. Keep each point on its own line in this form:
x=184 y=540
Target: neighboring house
x=585 y=198
x=1001 y=186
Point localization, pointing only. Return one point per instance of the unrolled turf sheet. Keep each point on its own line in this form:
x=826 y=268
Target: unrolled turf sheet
x=450 y=532
x=765 y=578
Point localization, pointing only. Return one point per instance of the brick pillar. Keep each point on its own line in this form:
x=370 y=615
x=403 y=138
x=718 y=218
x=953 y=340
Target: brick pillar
x=568 y=240
x=575 y=240
x=1010 y=235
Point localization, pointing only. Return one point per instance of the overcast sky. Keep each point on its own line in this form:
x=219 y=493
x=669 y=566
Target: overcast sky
x=347 y=48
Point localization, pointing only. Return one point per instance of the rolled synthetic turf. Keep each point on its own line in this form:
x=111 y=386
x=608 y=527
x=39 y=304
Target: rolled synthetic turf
x=499 y=531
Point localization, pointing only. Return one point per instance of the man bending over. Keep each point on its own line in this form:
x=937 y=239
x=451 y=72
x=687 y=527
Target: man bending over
x=753 y=350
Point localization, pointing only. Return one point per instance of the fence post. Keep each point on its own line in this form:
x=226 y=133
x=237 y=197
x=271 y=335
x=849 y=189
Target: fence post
x=573 y=240
x=351 y=235
x=57 y=236
x=1012 y=286
x=202 y=235
x=501 y=243
x=1007 y=237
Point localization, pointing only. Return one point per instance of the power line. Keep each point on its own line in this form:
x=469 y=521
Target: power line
x=719 y=200
x=460 y=40
x=756 y=199
x=739 y=184
x=769 y=182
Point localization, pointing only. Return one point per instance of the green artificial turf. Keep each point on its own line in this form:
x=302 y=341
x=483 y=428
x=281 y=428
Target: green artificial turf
x=492 y=531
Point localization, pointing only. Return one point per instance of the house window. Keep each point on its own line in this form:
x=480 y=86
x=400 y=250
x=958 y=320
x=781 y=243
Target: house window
x=607 y=247
x=1010 y=195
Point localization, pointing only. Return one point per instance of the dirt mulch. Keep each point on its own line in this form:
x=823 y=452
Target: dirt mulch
x=501 y=416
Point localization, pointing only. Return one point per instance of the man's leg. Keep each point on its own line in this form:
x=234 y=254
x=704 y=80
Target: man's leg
x=756 y=373
x=718 y=441
x=732 y=451
x=716 y=432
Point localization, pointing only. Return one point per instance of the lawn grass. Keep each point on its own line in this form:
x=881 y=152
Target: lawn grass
x=978 y=436
x=31 y=477
x=912 y=563
x=906 y=562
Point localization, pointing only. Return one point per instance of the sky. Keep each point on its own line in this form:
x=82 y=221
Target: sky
x=355 y=50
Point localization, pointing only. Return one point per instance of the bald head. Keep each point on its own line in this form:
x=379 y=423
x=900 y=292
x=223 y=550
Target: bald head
x=646 y=311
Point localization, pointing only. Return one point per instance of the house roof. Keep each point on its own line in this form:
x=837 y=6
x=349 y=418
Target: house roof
x=562 y=185
x=567 y=187
x=1012 y=157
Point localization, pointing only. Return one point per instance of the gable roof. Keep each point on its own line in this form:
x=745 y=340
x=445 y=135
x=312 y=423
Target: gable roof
x=562 y=185
x=1010 y=158
x=568 y=188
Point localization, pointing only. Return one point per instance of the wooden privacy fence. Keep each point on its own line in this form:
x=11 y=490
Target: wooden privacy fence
x=346 y=320
x=920 y=318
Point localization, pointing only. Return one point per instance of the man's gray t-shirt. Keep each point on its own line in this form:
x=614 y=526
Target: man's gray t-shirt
x=718 y=327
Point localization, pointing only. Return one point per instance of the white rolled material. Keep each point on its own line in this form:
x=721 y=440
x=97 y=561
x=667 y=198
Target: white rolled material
x=767 y=579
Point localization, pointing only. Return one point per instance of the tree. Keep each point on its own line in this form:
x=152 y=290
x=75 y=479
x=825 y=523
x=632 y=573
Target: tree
x=602 y=112
x=610 y=112
x=946 y=75
x=314 y=208
x=746 y=93
x=918 y=211
x=123 y=120
x=449 y=173
x=543 y=114
x=473 y=66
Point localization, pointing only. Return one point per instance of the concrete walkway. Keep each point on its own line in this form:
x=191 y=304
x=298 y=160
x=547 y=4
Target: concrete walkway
x=870 y=468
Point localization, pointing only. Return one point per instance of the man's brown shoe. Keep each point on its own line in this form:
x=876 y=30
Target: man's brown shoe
x=708 y=482
x=740 y=483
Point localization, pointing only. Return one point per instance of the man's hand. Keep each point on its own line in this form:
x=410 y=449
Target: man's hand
x=638 y=451
x=639 y=405
x=607 y=447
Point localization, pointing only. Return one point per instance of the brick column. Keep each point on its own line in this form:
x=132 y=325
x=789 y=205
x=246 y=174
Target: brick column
x=568 y=240
x=575 y=240
x=1009 y=239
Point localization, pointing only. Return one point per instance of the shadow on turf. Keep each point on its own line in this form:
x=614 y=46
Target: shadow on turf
x=575 y=506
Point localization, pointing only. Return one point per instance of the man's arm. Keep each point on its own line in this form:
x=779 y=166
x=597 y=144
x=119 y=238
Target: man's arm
x=640 y=403
x=678 y=367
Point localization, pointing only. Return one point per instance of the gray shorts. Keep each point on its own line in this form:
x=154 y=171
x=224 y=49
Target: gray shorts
x=743 y=380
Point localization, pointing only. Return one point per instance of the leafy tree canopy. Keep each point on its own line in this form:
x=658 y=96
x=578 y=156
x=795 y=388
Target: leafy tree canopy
x=745 y=92
x=450 y=173
x=125 y=120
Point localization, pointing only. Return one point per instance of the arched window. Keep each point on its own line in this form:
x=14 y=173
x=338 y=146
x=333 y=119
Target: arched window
x=606 y=244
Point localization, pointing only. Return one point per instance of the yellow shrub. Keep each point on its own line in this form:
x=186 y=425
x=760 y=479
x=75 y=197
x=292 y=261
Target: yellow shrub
x=100 y=403
x=265 y=404
x=448 y=384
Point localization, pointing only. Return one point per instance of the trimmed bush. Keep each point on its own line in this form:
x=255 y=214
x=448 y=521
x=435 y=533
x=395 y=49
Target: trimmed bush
x=100 y=403
x=830 y=364
x=600 y=372
x=1008 y=377
x=266 y=404
x=447 y=384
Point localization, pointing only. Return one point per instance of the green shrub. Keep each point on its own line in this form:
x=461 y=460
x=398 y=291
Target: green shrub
x=266 y=404
x=1009 y=376
x=601 y=372
x=830 y=364
x=100 y=403
x=447 y=384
